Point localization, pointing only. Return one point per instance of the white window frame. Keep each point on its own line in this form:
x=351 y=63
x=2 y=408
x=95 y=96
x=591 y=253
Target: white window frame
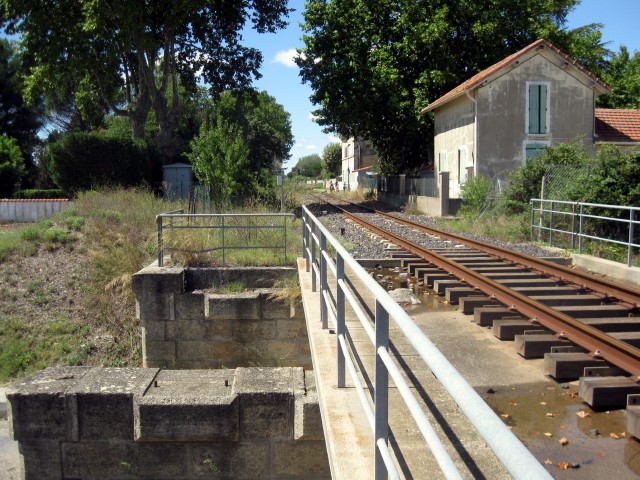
x=526 y=111
x=446 y=159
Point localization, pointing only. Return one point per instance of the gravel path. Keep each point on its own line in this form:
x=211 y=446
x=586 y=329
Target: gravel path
x=362 y=246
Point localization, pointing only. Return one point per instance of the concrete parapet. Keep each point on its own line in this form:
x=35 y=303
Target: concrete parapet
x=188 y=323
x=105 y=423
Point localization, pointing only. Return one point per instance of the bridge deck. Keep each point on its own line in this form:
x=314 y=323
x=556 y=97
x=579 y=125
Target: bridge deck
x=348 y=434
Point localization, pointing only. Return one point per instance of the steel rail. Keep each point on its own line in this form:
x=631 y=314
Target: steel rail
x=623 y=293
x=598 y=343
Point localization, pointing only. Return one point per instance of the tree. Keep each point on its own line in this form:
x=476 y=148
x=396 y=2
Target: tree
x=260 y=138
x=332 y=160
x=17 y=119
x=132 y=56
x=12 y=166
x=309 y=166
x=374 y=64
x=623 y=75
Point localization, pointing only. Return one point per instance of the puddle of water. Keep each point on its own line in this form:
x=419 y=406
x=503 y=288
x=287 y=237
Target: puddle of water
x=542 y=415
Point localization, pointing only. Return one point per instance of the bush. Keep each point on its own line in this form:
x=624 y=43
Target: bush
x=476 y=195
x=81 y=161
x=12 y=166
x=38 y=193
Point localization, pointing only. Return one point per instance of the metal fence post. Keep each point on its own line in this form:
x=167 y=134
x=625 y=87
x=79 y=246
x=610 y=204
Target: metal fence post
x=581 y=228
x=341 y=327
x=573 y=226
x=305 y=240
x=223 y=258
x=630 y=251
x=314 y=281
x=533 y=216
x=285 y=240
x=381 y=392
x=160 y=242
x=551 y=226
x=323 y=281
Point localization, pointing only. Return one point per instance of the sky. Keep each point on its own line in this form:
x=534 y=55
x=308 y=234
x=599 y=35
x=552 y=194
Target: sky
x=282 y=81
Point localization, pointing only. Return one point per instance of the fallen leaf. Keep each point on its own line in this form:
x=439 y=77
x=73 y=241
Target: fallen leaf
x=550 y=414
x=583 y=414
x=505 y=415
x=573 y=395
x=623 y=434
x=548 y=434
x=563 y=426
x=563 y=441
x=563 y=466
x=512 y=403
x=548 y=462
x=543 y=403
x=603 y=454
x=614 y=435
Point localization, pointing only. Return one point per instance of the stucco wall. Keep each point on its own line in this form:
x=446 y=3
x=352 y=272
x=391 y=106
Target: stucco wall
x=502 y=114
x=139 y=423
x=454 y=129
x=30 y=210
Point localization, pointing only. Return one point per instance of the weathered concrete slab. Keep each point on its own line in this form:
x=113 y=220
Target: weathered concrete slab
x=441 y=286
x=569 y=366
x=568 y=300
x=453 y=295
x=431 y=278
x=607 y=392
x=507 y=329
x=536 y=345
x=484 y=316
x=512 y=275
x=595 y=311
x=632 y=338
x=549 y=290
x=469 y=304
x=612 y=324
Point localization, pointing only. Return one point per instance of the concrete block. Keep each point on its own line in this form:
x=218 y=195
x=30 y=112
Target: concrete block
x=300 y=459
x=154 y=280
x=297 y=311
x=154 y=330
x=105 y=399
x=607 y=392
x=275 y=308
x=188 y=406
x=190 y=306
x=40 y=460
x=39 y=408
x=195 y=349
x=307 y=420
x=222 y=329
x=569 y=366
x=266 y=401
x=244 y=460
x=290 y=328
x=188 y=329
x=233 y=306
x=159 y=350
x=154 y=306
x=253 y=330
x=536 y=345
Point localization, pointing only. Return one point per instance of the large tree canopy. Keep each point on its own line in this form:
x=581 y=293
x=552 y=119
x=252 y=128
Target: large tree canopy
x=132 y=56
x=374 y=64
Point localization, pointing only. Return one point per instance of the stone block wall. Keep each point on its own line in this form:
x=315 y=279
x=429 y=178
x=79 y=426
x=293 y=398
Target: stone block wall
x=145 y=423
x=185 y=326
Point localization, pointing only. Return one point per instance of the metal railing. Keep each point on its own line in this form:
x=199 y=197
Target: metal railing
x=219 y=222
x=577 y=219
x=518 y=461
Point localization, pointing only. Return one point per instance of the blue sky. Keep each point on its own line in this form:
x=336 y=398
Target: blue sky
x=281 y=80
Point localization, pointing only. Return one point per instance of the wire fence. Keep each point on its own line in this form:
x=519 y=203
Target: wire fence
x=403 y=185
x=566 y=182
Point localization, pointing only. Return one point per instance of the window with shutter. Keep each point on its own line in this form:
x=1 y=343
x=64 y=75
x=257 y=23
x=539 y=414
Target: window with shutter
x=538 y=102
x=462 y=165
x=532 y=150
x=442 y=162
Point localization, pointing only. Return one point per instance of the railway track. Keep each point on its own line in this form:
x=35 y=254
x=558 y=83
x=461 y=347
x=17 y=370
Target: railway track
x=585 y=326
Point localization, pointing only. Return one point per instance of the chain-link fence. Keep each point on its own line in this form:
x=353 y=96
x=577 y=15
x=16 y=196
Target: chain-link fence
x=565 y=182
x=400 y=184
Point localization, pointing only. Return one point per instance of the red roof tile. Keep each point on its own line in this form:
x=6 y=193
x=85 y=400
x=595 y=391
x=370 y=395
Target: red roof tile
x=617 y=125
x=486 y=73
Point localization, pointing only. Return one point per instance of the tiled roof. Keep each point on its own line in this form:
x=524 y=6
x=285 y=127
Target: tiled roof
x=617 y=125
x=486 y=73
x=363 y=168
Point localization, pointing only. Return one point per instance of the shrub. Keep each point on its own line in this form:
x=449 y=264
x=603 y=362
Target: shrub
x=12 y=166
x=476 y=195
x=38 y=193
x=81 y=161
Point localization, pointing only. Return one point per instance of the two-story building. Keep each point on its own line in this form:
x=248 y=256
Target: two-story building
x=359 y=160
x=492 y=123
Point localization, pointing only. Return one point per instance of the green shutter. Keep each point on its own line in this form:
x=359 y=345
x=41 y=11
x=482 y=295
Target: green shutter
x=543 y=109
x=533 y=149
x=534 y=108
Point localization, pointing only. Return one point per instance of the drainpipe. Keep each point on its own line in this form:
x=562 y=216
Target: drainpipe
x=475 y=131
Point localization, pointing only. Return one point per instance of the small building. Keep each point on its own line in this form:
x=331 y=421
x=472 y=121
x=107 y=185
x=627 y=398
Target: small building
x=620 y=127
x=359 y=160
x=492 y=123
x=177 y=180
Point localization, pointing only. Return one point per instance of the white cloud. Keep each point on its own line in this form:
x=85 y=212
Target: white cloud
x=286 y=57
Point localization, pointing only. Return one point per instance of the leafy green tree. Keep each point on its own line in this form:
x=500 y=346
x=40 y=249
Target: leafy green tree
x=128 y=55
x=374 y=64
x=219 y=155
x=623 y=75
x=332 y=160
x=17 y=119
x=12 y=166
x=309 y=166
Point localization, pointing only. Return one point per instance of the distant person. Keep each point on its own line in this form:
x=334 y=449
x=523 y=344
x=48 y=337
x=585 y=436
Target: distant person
x=331 y=186
x=337 y=186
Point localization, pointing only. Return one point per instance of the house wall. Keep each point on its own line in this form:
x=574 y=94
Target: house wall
x=502 y=114
x=454 y=130
x=356 y=154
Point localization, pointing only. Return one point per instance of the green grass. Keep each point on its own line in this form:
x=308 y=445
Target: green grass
x=26 y=348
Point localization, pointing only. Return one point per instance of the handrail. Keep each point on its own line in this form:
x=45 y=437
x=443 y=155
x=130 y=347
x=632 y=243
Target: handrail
x=578 y=217
x=190 y=217
x=518 y=461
